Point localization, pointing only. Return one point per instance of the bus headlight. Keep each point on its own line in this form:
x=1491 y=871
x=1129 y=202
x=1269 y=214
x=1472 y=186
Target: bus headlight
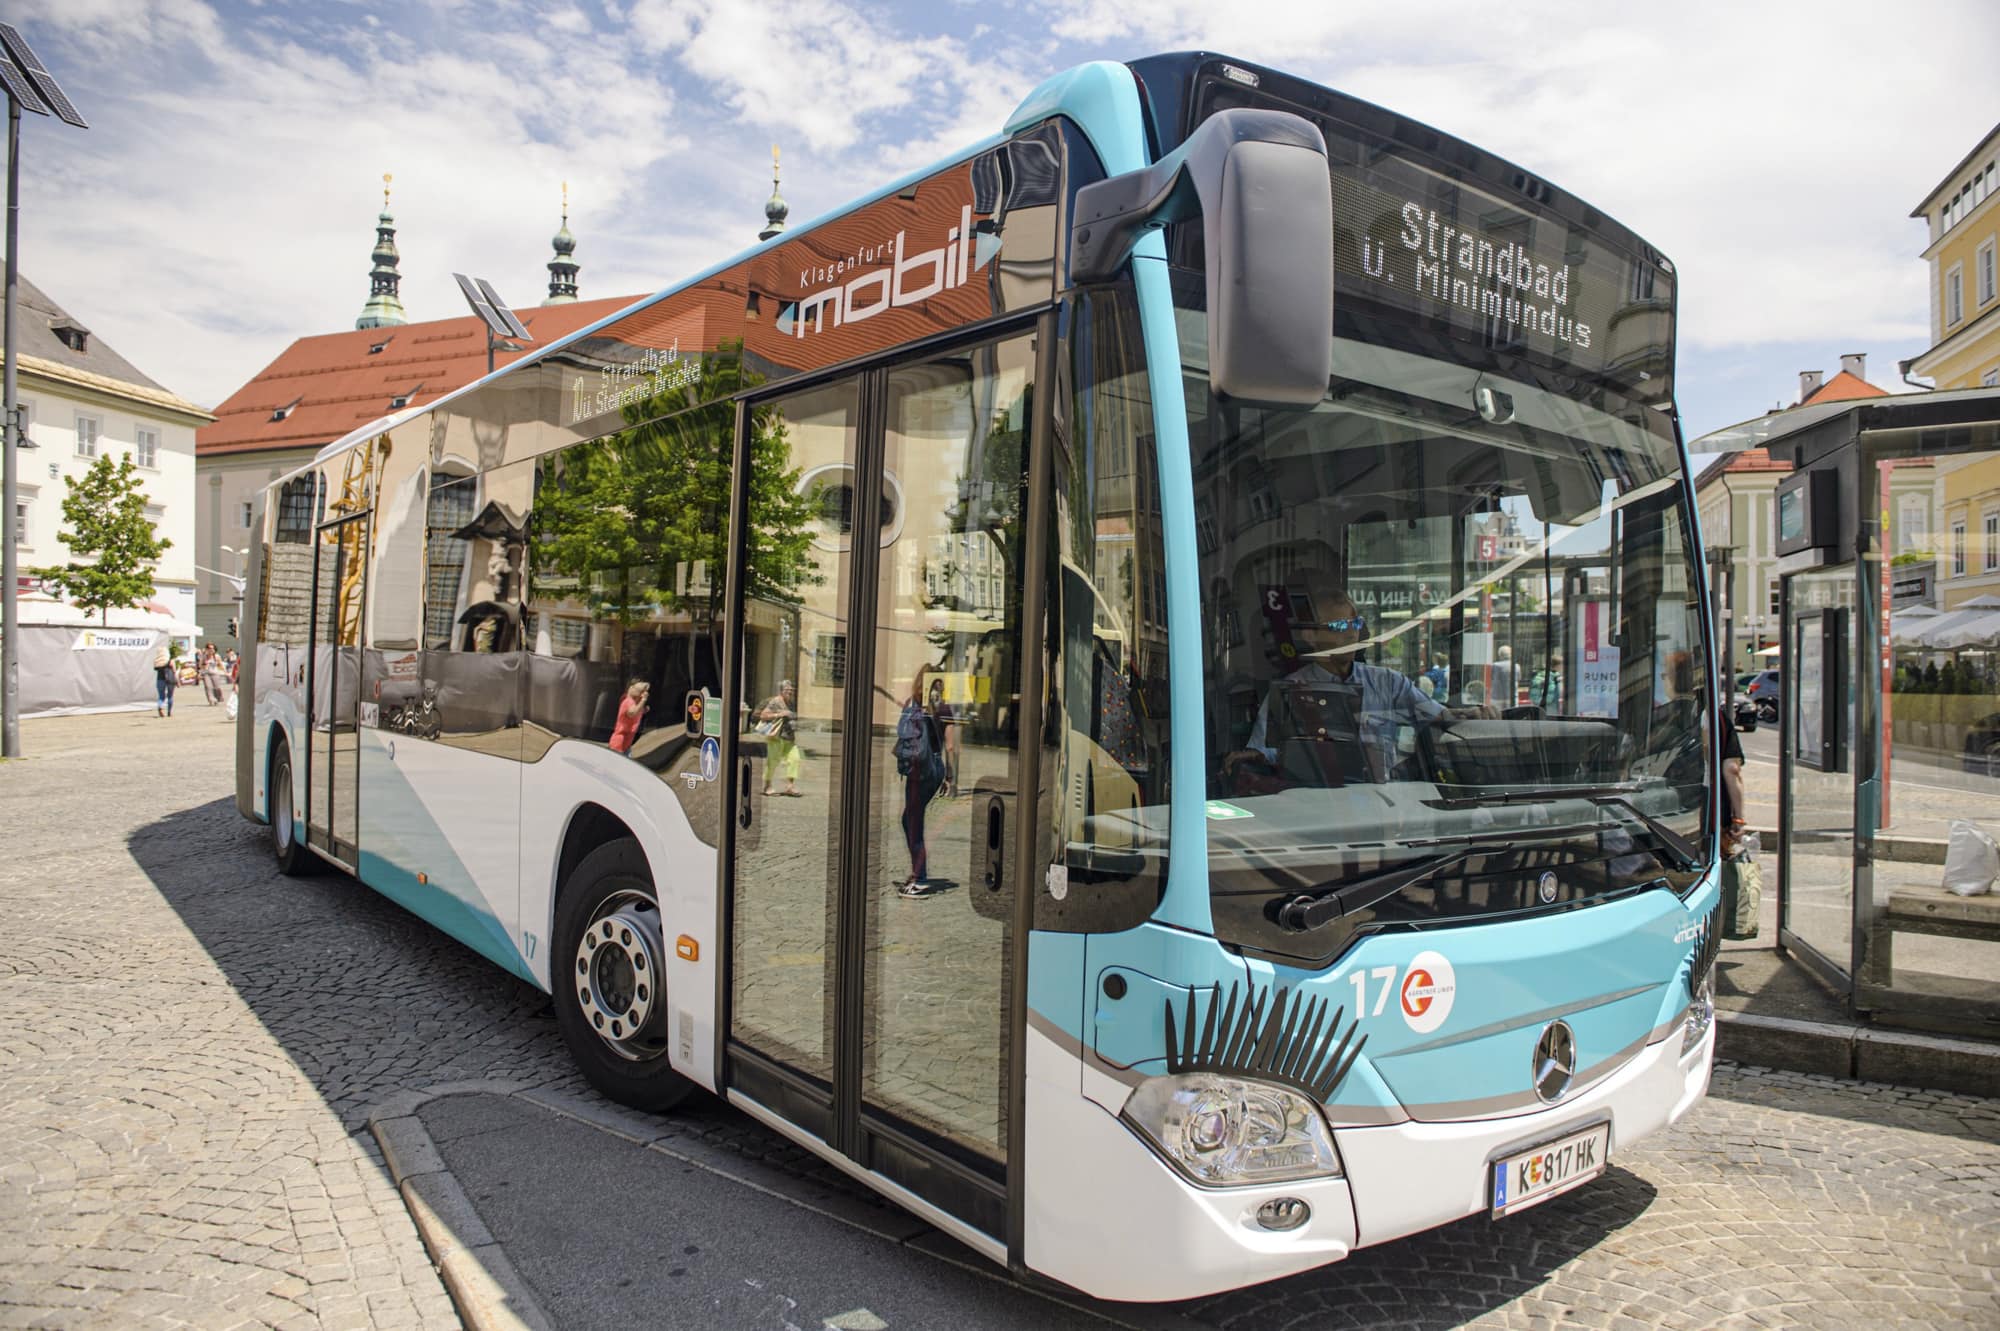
x=1223 y=1131
x=1701 y=1013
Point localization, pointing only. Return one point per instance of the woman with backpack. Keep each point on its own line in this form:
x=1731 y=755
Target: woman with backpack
x=920 y=762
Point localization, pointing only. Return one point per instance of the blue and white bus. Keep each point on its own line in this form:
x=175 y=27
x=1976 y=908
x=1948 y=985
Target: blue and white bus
x=1143 y=691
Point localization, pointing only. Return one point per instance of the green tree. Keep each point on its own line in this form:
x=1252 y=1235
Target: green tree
x=105 y=513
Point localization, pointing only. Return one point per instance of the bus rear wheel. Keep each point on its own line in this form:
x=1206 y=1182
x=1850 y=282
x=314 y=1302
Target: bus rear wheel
x=294 y=860
x=610 y=979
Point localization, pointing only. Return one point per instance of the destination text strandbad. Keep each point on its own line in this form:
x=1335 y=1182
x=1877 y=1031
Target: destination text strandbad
x=620 y=386
x=1504 y=282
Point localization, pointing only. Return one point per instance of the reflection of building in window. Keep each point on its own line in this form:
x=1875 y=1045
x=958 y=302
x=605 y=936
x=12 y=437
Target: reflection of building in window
x=296 y=509
x=830 y=659
x=965 y=572
x=1991 y=552
x=450 y=508
x=1958 y=548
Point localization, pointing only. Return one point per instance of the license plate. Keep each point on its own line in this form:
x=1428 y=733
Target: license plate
x=1530 y=1177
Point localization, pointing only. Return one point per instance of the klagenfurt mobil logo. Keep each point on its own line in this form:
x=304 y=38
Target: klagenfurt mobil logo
x=907 y=279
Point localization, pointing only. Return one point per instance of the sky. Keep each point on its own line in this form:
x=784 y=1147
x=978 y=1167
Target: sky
x=223 y=201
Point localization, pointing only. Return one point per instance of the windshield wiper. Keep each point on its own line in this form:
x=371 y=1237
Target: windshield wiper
x=1313 y=910
x=1616 y=796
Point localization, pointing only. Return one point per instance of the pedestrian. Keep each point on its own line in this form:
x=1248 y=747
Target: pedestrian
x=164 y=679
x=210 y=667
x=777 y=722
x=235 y=664
x=631 y=711
x=920 y=762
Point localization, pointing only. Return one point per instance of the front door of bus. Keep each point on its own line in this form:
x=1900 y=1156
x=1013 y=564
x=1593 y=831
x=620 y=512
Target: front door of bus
x=333 y=686
x=879 y=629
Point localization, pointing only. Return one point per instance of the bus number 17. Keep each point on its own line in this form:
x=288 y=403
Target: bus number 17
x=1385 y=983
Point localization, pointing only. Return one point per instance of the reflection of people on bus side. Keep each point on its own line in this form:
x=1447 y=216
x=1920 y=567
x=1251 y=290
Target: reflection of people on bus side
x=631 y=711
x=947 y=721
x=919 y=756
x=1332 y=641
x=778 y=722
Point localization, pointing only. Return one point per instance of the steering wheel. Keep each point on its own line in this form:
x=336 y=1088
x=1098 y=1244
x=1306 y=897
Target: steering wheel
x=1254 y=775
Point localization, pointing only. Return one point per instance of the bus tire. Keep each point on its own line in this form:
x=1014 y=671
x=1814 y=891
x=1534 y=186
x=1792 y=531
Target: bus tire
x=608 y=973
x=294 y=860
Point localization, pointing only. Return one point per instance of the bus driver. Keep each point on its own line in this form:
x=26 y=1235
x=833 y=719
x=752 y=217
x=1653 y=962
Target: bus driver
x=1385 y=700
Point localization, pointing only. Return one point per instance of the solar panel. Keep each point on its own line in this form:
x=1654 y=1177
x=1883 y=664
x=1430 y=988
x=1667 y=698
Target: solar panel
x=19 y=88
x=45 y=84
x=515 y=328
x=480 y=306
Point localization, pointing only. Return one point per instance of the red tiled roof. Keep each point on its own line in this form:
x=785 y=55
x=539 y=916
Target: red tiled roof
x=1844 y=387
x=1750 y=459
x=333 y=382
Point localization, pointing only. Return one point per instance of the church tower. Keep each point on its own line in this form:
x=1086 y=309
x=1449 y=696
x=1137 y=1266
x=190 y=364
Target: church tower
x=384 y=307
x=562 y=268
x=775 y=208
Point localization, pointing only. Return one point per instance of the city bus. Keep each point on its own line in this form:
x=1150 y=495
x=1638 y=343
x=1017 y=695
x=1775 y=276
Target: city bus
x=1142 y=691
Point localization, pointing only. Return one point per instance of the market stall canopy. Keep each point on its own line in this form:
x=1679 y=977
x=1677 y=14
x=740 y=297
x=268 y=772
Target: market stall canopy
x=40 y=608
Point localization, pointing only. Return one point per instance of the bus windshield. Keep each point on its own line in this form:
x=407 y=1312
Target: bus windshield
x=1452 y=649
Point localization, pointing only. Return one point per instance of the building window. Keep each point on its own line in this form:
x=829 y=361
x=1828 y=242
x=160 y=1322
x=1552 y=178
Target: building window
x=244 y=514
x=1958 y=548
x=146 y=448
x=1990 y=553
x=1982 y=272
x=21 y=522
x=1912 y=523
x=1954 y=295
x=1990 y=379
x=830 y=659
x=1774 y=594
x=27 y=423
x=87 y=430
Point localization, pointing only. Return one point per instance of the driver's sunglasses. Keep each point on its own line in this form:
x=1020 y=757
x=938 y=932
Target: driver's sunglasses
x=1358 y=624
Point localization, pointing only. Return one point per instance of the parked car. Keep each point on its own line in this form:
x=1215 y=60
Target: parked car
x=1982 y=746
x=1763 y=691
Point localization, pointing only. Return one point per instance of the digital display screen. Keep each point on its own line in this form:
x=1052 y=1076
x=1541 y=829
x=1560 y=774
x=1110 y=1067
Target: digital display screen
x=1410 y=238
x=1420 y=243
x=1791 y=515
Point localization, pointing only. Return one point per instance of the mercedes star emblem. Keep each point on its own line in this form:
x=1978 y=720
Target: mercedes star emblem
x=1546 y=887
x=1555 y=1061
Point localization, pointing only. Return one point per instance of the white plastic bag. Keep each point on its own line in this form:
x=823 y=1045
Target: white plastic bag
x=1971 y=860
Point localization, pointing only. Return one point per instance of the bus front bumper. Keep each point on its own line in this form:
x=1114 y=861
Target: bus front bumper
x=1107 y=1216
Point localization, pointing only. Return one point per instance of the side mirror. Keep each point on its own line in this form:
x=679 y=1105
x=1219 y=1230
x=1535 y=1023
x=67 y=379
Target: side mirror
x=1257 y=180
x=1746 y=717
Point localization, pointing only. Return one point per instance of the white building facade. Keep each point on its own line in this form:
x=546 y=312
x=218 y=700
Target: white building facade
x=81 y=401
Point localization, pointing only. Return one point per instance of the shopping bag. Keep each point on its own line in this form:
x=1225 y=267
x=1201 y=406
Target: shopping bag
x=1971 y=860
x=1742 y=896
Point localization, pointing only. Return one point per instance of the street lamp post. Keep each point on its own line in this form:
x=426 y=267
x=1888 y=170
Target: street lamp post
x=28 y=85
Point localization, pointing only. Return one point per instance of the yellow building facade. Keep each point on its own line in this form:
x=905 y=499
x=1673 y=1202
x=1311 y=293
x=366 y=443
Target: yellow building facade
x=1963 y=218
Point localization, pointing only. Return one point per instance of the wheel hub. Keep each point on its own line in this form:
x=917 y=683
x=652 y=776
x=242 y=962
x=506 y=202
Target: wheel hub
x=619 y=976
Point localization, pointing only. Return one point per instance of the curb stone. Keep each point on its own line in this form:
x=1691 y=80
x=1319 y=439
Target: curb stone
x=490 y=1294
x=1859 y=1053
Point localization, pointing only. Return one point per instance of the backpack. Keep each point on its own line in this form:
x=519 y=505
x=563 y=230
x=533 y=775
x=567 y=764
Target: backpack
x=916 y=750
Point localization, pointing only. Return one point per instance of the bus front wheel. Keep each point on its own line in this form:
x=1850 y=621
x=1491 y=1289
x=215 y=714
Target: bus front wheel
x=610 y=979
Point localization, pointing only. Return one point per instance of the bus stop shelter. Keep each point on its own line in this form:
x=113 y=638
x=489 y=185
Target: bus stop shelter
x=1888 y=537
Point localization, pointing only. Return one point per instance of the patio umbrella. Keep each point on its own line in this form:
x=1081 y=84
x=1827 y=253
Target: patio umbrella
x=1982 y=629
x=1938 y=634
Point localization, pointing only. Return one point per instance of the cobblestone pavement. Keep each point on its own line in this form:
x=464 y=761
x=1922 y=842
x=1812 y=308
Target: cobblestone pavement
x=189 y=1044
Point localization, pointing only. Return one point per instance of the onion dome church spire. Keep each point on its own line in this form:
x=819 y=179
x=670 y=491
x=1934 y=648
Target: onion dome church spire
x=383 y=307
x=562 y=268
x=775 y=208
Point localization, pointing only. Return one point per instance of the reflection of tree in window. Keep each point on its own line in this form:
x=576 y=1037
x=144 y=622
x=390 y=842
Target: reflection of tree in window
x=635 y=524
